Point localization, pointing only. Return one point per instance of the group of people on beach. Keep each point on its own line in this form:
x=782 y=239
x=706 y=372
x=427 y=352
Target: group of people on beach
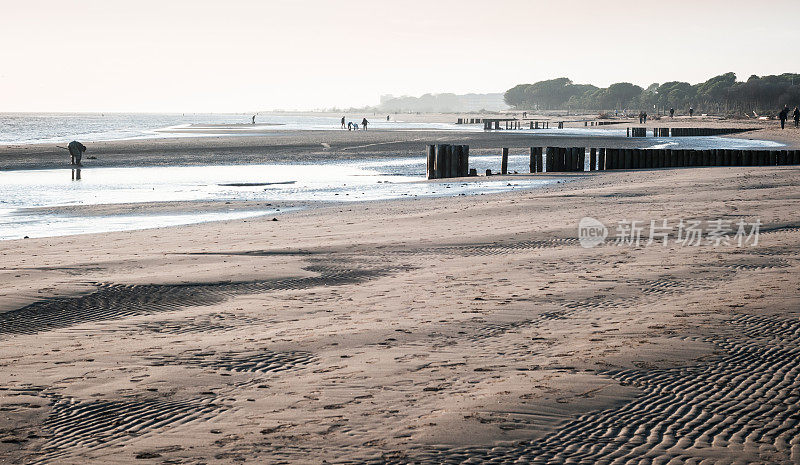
x=351 y=126
x=784 y=115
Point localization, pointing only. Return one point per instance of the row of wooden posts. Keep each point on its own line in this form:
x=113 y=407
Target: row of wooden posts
x=449 y=161
x=685 y=132
x=669 y=158
x=494 y=124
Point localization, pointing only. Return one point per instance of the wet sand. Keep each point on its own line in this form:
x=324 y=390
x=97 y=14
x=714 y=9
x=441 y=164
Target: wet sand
x=433 y=331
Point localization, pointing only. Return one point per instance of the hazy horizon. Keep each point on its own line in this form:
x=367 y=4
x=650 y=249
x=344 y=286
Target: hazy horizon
x=246 y=56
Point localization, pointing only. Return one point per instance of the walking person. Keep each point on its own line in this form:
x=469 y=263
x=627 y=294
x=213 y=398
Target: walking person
x=691 y=112
x=342 y=122
x=364 y=123
x=783 y=115
x=796 y=115
x=671 y=112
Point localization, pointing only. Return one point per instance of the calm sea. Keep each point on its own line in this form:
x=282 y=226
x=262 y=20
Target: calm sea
x=34 y=128
x=40 y=128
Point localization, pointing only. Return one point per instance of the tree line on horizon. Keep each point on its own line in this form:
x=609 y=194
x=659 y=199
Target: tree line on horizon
x=720 y=94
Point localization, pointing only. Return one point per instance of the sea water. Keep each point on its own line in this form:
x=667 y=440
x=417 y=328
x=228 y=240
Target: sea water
x=24 y=192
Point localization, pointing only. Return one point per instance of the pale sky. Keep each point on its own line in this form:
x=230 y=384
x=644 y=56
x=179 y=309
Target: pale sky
x=249 y=55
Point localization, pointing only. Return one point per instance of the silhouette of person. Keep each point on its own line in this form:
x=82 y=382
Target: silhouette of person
x=364 y=123
x=76 y=150
x=644 y=118
x=387 y=117
x=796 y=115
x=671 y=112
x=691 y=112
x=342 y=122
x=783 y=115
x=349 y=125
x=254 y=119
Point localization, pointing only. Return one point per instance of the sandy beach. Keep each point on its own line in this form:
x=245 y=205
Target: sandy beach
x=443 y=330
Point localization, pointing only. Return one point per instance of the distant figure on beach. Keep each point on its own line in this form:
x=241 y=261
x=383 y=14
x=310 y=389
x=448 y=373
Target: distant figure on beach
x=671 y=112
x=355 y=126
x=796 y=115
x=364 y=123
x=349 y=125
x=254 y=119
x=644 y=117
x=387 y=117
x=76 y=150
x=691 y=112
x=783 y=115
x=524 y=114
x=342 y=122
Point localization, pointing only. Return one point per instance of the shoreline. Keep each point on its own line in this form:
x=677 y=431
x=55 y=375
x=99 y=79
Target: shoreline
x=313 y=145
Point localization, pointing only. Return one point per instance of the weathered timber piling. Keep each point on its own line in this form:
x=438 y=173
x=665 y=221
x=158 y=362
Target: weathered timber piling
x=447 y=161
x=532 y=163
x=429 y=170
x=601 y=160
x=592 y=159
x=504 y=162
x=536 y=160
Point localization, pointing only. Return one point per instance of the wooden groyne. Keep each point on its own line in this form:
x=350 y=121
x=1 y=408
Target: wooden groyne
x=677 y=158
x=451 y=161
x=686 y=132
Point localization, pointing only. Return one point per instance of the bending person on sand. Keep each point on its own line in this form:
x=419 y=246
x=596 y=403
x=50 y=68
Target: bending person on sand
x=76 y=150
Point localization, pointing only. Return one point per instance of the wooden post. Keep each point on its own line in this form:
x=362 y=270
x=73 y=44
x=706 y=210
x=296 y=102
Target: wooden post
x=455 y=156
x=592 y=159
x=539 y=164
x=550 y=157
x=504 y=162
x=796 y=157
x=439 y=171
x=431 y=166
x=452 y=164
x=466 y=160
x=601 y=160
x=773 y=157
x=532 y=163
x=581 y=159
